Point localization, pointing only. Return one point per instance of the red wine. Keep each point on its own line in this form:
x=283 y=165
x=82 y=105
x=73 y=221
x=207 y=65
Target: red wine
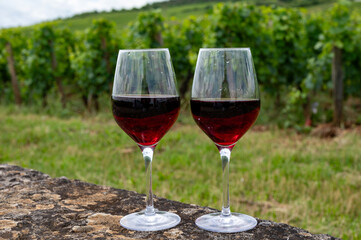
x=225 y=121
x=146 y=119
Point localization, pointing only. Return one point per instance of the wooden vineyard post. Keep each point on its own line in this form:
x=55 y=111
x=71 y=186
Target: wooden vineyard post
x=337 y=86
x=14 y=79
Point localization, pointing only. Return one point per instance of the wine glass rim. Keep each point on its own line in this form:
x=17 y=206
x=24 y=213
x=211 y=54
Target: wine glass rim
x=144 y=50
x=225 y=49
x=151 y=95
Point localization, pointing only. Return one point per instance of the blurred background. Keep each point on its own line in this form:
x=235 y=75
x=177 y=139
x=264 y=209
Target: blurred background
x=301 y=162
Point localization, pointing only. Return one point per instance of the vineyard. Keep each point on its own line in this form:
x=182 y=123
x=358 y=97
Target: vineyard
x=307 y=64
x=55 y=110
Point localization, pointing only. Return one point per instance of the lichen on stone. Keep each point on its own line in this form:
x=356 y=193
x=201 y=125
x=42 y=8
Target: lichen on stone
x=35 y=206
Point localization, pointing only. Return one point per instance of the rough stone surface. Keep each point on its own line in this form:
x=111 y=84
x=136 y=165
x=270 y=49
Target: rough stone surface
x=35 y=206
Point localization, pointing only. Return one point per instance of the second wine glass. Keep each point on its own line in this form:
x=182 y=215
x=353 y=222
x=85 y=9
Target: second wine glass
x=225 y=103
x=145 y=105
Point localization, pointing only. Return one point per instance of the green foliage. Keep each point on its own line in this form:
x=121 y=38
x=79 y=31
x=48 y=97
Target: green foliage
x=146 y=31
x=243 y=25
x=177 y=45
x=93 y=60
x=4 y=77
x=342 y=30
x=291 y=51
x=40 y=76
x=4 y=74
x=352 y=59
x=184 y=42
x=194 y=31
x=312 y=78
x=318 y=63
x=337 y=28
x=289 y=46
x=18 y=42
x=238 y=25
x=275 y=36
x=64 y=45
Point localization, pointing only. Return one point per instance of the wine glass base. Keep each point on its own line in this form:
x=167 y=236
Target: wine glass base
x=236 y=222
x=159 y=221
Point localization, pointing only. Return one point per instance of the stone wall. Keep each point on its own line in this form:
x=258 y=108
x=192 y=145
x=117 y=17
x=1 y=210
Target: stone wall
x=36 y=206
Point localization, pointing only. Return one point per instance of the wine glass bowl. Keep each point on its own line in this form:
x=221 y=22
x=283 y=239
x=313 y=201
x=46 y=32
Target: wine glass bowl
x=225 y=103
x=145 y=105
x=225 y=121
x=146 y=128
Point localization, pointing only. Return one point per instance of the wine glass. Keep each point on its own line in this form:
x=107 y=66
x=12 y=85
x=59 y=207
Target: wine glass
x=145 y=105
x=225 y=103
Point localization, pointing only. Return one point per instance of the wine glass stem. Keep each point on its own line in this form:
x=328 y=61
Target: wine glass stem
x=148 y=157
x=225 y=157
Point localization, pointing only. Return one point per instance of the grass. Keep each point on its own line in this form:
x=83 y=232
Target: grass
x=301 y=180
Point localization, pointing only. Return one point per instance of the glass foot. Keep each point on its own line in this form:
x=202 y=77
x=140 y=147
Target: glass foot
x=236 y=222
x=159 y=221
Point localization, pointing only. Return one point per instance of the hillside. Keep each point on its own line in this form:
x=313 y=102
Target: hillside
x=122 y=18
x=180 y=10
